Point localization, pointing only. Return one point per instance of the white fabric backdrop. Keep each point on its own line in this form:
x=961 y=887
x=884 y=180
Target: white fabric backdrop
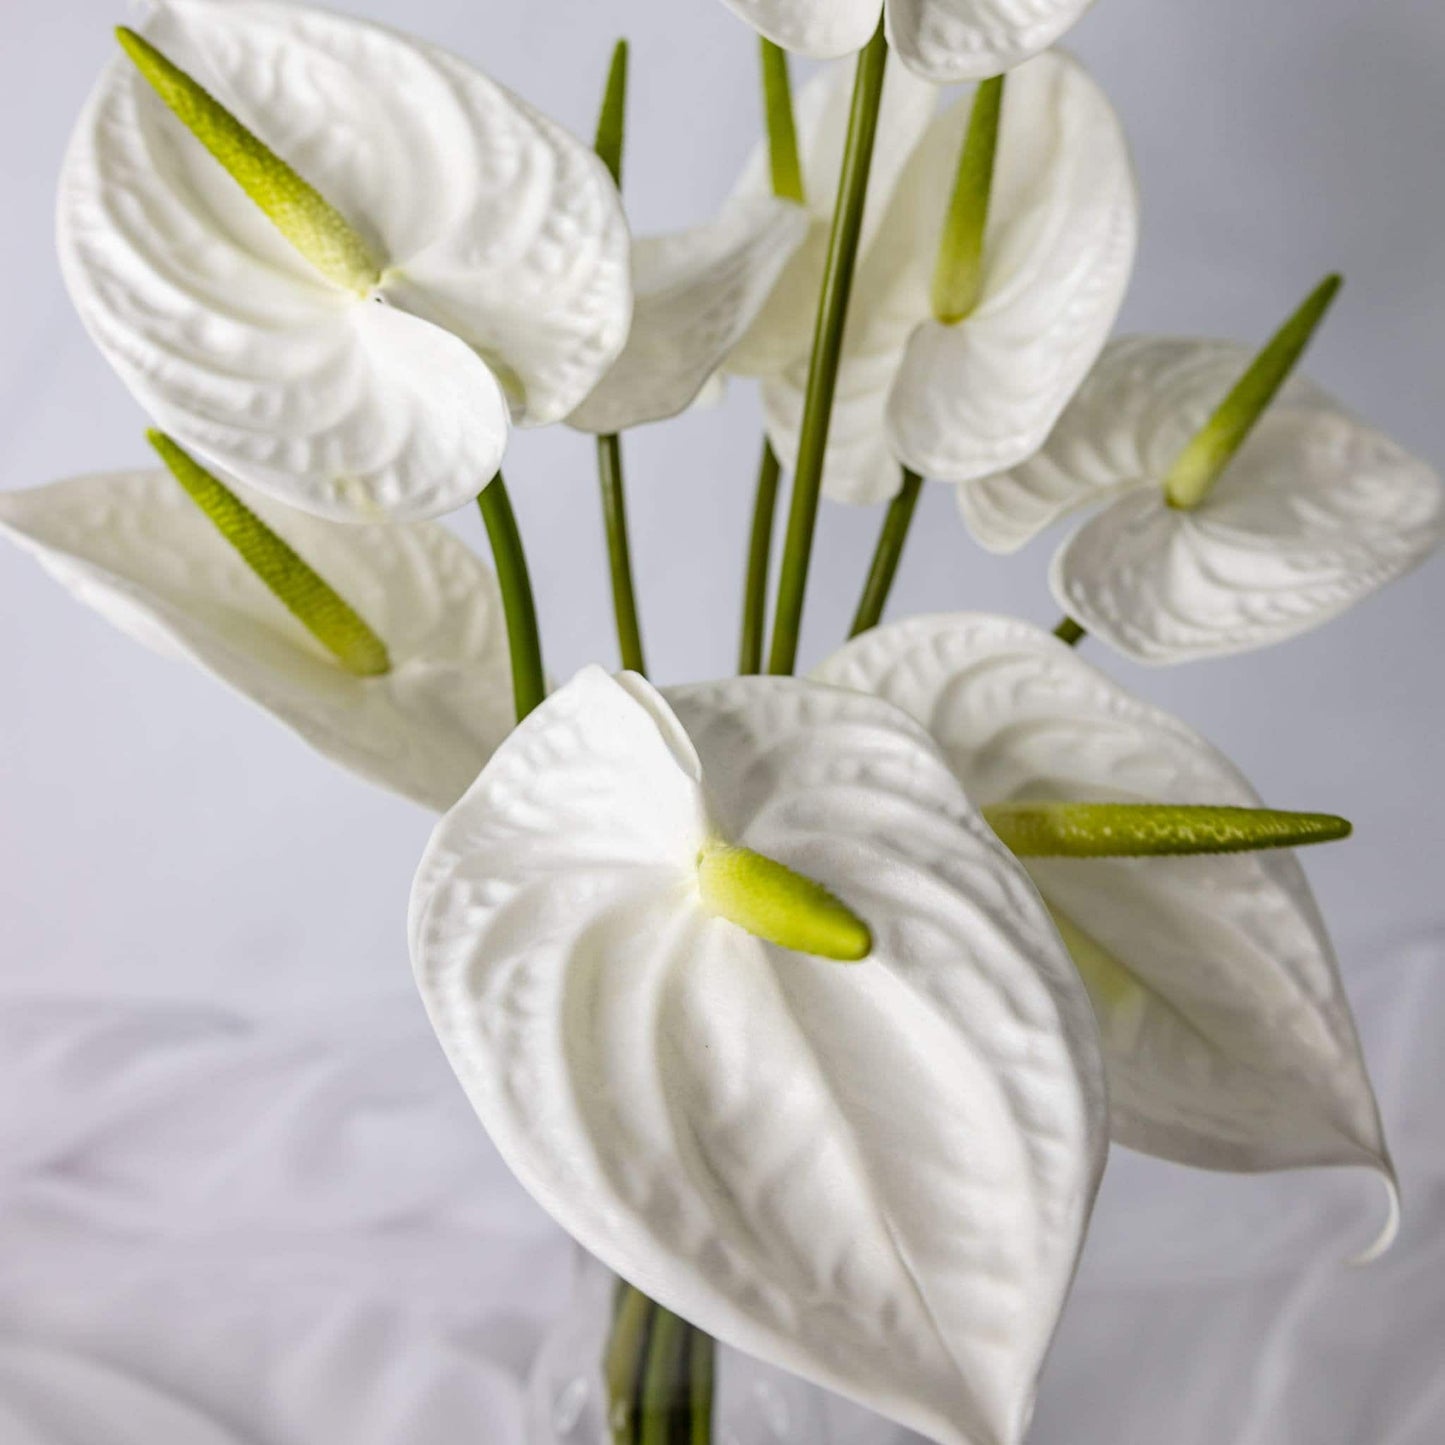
x=241 y=1199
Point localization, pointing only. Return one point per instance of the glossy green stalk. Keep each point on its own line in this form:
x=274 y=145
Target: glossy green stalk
x=1070 y=632
x=1203 y=461
x=666 y=1409
x=827 y=350
x=787 y=168
x=296 y=208
x=524 y=641
x=958 y=277
x=611 y=139
x=327 y=616
x=888 y=554
x=760 y=549
x=1153 y=830
x=625 y=1364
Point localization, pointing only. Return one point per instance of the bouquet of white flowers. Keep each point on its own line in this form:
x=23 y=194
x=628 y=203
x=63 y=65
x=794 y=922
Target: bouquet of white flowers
x=808 y=1005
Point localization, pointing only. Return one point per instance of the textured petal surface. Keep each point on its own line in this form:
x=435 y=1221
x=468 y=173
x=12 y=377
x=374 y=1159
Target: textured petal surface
x=783 y=332
x=136 y=548
x=696 y=294
x=974 y=398
x=1227 y=1034
x=823 y=29
x=1136 y=411
x=875 y=1175
x=493 y=225
x=951 y=40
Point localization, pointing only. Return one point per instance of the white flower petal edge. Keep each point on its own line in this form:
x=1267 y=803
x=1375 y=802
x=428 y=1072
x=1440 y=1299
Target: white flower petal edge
x=135 y=547
x=1227 y=1034
x=696 y=294
x=824 y=29
x=1139 y=407
x=875 y=1175
x=951 y=40
x=500 y=235
x=982 y=395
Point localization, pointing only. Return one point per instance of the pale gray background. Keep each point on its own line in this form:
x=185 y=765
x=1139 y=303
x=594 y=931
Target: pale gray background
x=163 y=846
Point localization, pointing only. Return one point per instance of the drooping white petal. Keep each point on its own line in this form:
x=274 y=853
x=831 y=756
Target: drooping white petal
x=136 y=548
x=875 y=1175
x=973 y=398
x=951 y=40
x=696 y=294
x=824 y=29
x=783 y=331
x=1137 y=410
x=491 y=224
x=1227 y=1034
x=1317 y=512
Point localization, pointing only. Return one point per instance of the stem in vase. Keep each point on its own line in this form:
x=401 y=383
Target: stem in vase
x=889 y=553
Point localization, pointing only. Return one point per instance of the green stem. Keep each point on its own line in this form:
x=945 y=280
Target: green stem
x=888 y=554
x=1070 y=633
x=529 y=682
x=760 y=548
x=787 y=169
x=827 y=349
x=625 y=1364
x=702 y=1367
x=958 y=278
x=619 y=552
x=665 y=1416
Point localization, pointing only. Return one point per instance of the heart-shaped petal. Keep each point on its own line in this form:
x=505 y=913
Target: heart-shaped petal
x=1135 y=413
x=973 y=398
x=951 y=40
x=696 y=294
x=876 y=1175
x=136 y=548
x=499 y=234
x=1227 y=1034
x=824 y=29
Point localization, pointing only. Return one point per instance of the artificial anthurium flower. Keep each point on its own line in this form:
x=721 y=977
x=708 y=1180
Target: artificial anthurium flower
x=957 y=386
x=1226 y=1031
x=382 y=645
x=355 y=335
x=1226 y=526
x=942 y=40
x=753 y=1002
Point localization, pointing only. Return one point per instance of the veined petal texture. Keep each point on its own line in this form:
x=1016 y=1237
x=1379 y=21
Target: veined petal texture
x=824 y=29
x=1227 y=1034
x=950 y=40
x=506 y=280
x=876 y=1175
x=136 y=548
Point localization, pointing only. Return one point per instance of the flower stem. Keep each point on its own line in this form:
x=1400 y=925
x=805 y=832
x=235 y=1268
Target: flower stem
x=1070 y=632
x=889 y=552
x=827 y=349
x=624 y=1365
x=619 y=552
x=524 y=642
x=760 y=547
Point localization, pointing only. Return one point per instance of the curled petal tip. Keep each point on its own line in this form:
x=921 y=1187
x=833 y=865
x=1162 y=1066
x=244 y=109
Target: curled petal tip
x=1391 y=1230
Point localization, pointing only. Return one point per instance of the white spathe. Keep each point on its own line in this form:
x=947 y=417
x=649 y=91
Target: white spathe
x=1227 y=1034
x=136 y=548
x=963 y=401
x=1316 y=512
x=696 y=294
x=942 y=40
x=506 y=291
x=875 y=1175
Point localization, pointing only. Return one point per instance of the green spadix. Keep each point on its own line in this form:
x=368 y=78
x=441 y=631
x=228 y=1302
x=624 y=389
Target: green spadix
x=612 y=120
x=958 y=277
x=296 y=208
x=308 y=596
x=1150 y=830
x=786 y=167
x=773 y=903
x=1202 y=462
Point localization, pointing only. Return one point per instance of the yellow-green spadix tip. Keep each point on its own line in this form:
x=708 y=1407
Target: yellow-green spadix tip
x=779 y=906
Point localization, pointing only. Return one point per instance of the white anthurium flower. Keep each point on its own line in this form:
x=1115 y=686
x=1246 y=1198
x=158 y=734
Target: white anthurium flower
x=467 y=267
x=963 y=399
x=418 y=712
x=1316 y=512
x=874 y=1175
x=942 y=40
x=1226 y=1031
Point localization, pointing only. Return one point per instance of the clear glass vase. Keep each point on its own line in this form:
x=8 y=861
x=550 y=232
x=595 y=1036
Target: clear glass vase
x=752 y=1403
